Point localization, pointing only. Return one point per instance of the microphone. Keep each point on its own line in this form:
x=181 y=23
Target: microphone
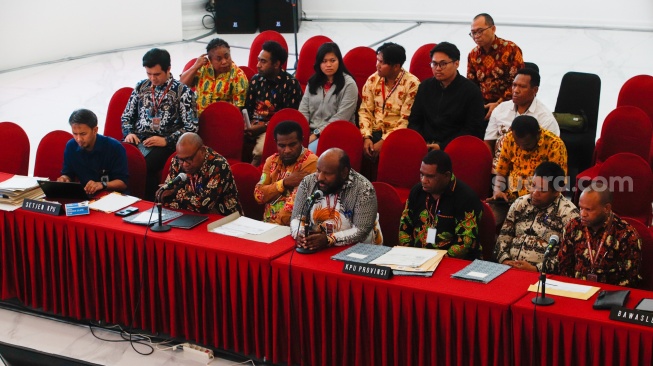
x=314 y=197
x=553 y=240
x=178 y=179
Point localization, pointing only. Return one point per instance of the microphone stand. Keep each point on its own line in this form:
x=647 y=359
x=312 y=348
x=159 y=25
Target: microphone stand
x=307 y=222
x=159 y=227
x=543 y=301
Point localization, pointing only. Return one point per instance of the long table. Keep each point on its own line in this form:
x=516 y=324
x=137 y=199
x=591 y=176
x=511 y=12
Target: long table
x=193 y=284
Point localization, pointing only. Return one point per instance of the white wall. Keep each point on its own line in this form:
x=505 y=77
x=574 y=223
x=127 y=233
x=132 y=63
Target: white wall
x=37 y=31
x=631 y=14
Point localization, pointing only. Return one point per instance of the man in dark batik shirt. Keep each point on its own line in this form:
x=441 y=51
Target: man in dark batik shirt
x=209 y=186
x=599 y=246
x=271 y=90
x=441 y=212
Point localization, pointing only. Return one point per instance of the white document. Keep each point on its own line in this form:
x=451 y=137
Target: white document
x=250 y=229
x=113 y=202
x=20 y=182
x=570 y=287
x=248 y=226
x=406 y=257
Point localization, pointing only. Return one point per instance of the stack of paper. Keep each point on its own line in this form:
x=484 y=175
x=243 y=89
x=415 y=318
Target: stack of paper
x=246 y=228
x=566 y=289
x=17 y=188
x=481 y=271
x=113 y=202
x=411 y=261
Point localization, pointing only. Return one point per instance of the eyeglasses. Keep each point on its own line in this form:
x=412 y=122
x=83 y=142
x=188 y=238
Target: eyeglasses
x=478 y=32
x=189 y=159
x=441 y=64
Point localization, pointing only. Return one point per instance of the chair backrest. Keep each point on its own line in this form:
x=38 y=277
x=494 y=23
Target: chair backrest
x=344 y=135
x=646 y=270
x=189 y=64
x=307 y=58
x=471 y=162
x=401 y=158
x=249 y=72
x=390 y=208
x=625 y=129
x=257 y=46
x=286 y=114
x=419 y=63
x=222 y=128
x=579 y=94
x=638 y=92
x=361 y=63
x=166 y=168
x=487 y=233
x=137 y=170
x=247 y=176
x=631 y=181
x=117 y=104
x=14 y=149
x=49 y=154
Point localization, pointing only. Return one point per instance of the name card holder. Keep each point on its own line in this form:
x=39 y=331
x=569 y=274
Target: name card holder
x=45 y=207
x=367 y=270
x=632 y=316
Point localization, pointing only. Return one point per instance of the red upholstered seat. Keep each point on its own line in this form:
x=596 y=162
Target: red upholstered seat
x=257 y=46
x=471 y=162
x=638 y=92
x=14 y=149
x=361 y=63
x=390 y=207
x=420 y=63
x=344 y=135
x=49 y=154
x=307 y=58
x=117 y=104
x=646 y=270
x=247 y=176
x=166 y=168
x=137 y=170
x=400 y=159
x=487 y=233
x=249 y=72
x=222 y=128
x=189 y=64
x=625 y=129
x=629 y=199
x=286 y=114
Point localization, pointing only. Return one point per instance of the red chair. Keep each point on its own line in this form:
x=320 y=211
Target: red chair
x=361 y=63
x=638 y=92
x=137 y=170
x=246 y=177
x=249 y=72
x=166 y=168
x=222 y=128
x=487 y=233
x=471 y=162
x=344 y=135
x=400 y=160
x=420 y=63
x=631 y=180
x=49 y=154
x=286 y=114
x=646 y=270
x=625 y=129
x=307 y=58
x=14 y=149
x=390 y=207
x=257 y=46
x=189 y=64
x=117 y=104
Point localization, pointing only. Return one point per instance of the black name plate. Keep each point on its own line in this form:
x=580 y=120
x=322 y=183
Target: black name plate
x=48 y=208
x=633 y=316
x=368 y=270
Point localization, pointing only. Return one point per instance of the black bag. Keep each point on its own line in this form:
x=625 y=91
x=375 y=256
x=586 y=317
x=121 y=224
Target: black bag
x=570 y=122
x=608 y=299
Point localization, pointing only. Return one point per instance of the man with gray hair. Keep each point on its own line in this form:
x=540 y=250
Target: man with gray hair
x=600 y=246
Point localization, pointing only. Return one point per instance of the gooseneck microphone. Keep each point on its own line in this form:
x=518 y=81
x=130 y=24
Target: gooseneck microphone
x=310 y=201
x=316 y=196
x=178 y=179
x=553 y=241
x=543 y=300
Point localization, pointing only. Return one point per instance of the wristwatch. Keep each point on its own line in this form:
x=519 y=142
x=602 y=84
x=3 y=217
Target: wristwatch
x=104 y=185
x=316 y=132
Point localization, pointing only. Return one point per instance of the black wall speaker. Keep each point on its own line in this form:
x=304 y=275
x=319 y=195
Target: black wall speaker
x=277 y=15
x=235 y=16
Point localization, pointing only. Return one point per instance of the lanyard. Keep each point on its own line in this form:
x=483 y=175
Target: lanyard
x=385 y=99
x=328 y=203
x=155 y=104
x=432 y=213
x=594 y=257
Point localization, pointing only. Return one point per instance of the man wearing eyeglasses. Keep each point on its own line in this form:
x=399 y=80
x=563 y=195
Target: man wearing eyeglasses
x=209 y=185
x=493 y=63
x=447 y=105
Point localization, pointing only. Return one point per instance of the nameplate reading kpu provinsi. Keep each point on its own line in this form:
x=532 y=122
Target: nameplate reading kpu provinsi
x=45 y=207
x=368 y=270
x=632 y=316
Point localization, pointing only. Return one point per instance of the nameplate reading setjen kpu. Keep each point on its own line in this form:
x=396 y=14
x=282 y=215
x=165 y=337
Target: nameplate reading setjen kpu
x=48 y=208
x=368 y=270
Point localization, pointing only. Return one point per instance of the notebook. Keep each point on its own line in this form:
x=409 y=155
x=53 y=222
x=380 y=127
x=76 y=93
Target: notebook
x=187 y=221
x=144 y=149
x=70 y=191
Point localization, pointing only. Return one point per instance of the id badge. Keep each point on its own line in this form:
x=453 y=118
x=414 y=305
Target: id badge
x=156 y=124
x=430 y=235
x=592 y=277
x=329 y=228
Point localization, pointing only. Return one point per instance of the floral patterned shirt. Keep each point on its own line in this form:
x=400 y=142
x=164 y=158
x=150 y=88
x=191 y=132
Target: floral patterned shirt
x=386 y=109
x=278 y=200
x=265 y=97
x=519 y=165
x=230 y=87
x=211 y=190
x=618 y=260
x=455 y=216
x=495 y=70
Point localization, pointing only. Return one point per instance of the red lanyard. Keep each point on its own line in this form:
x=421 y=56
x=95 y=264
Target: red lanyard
x=432 y=213
x=328 y=203
x=385 y=99
x=594 y=257
x=155 y=105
